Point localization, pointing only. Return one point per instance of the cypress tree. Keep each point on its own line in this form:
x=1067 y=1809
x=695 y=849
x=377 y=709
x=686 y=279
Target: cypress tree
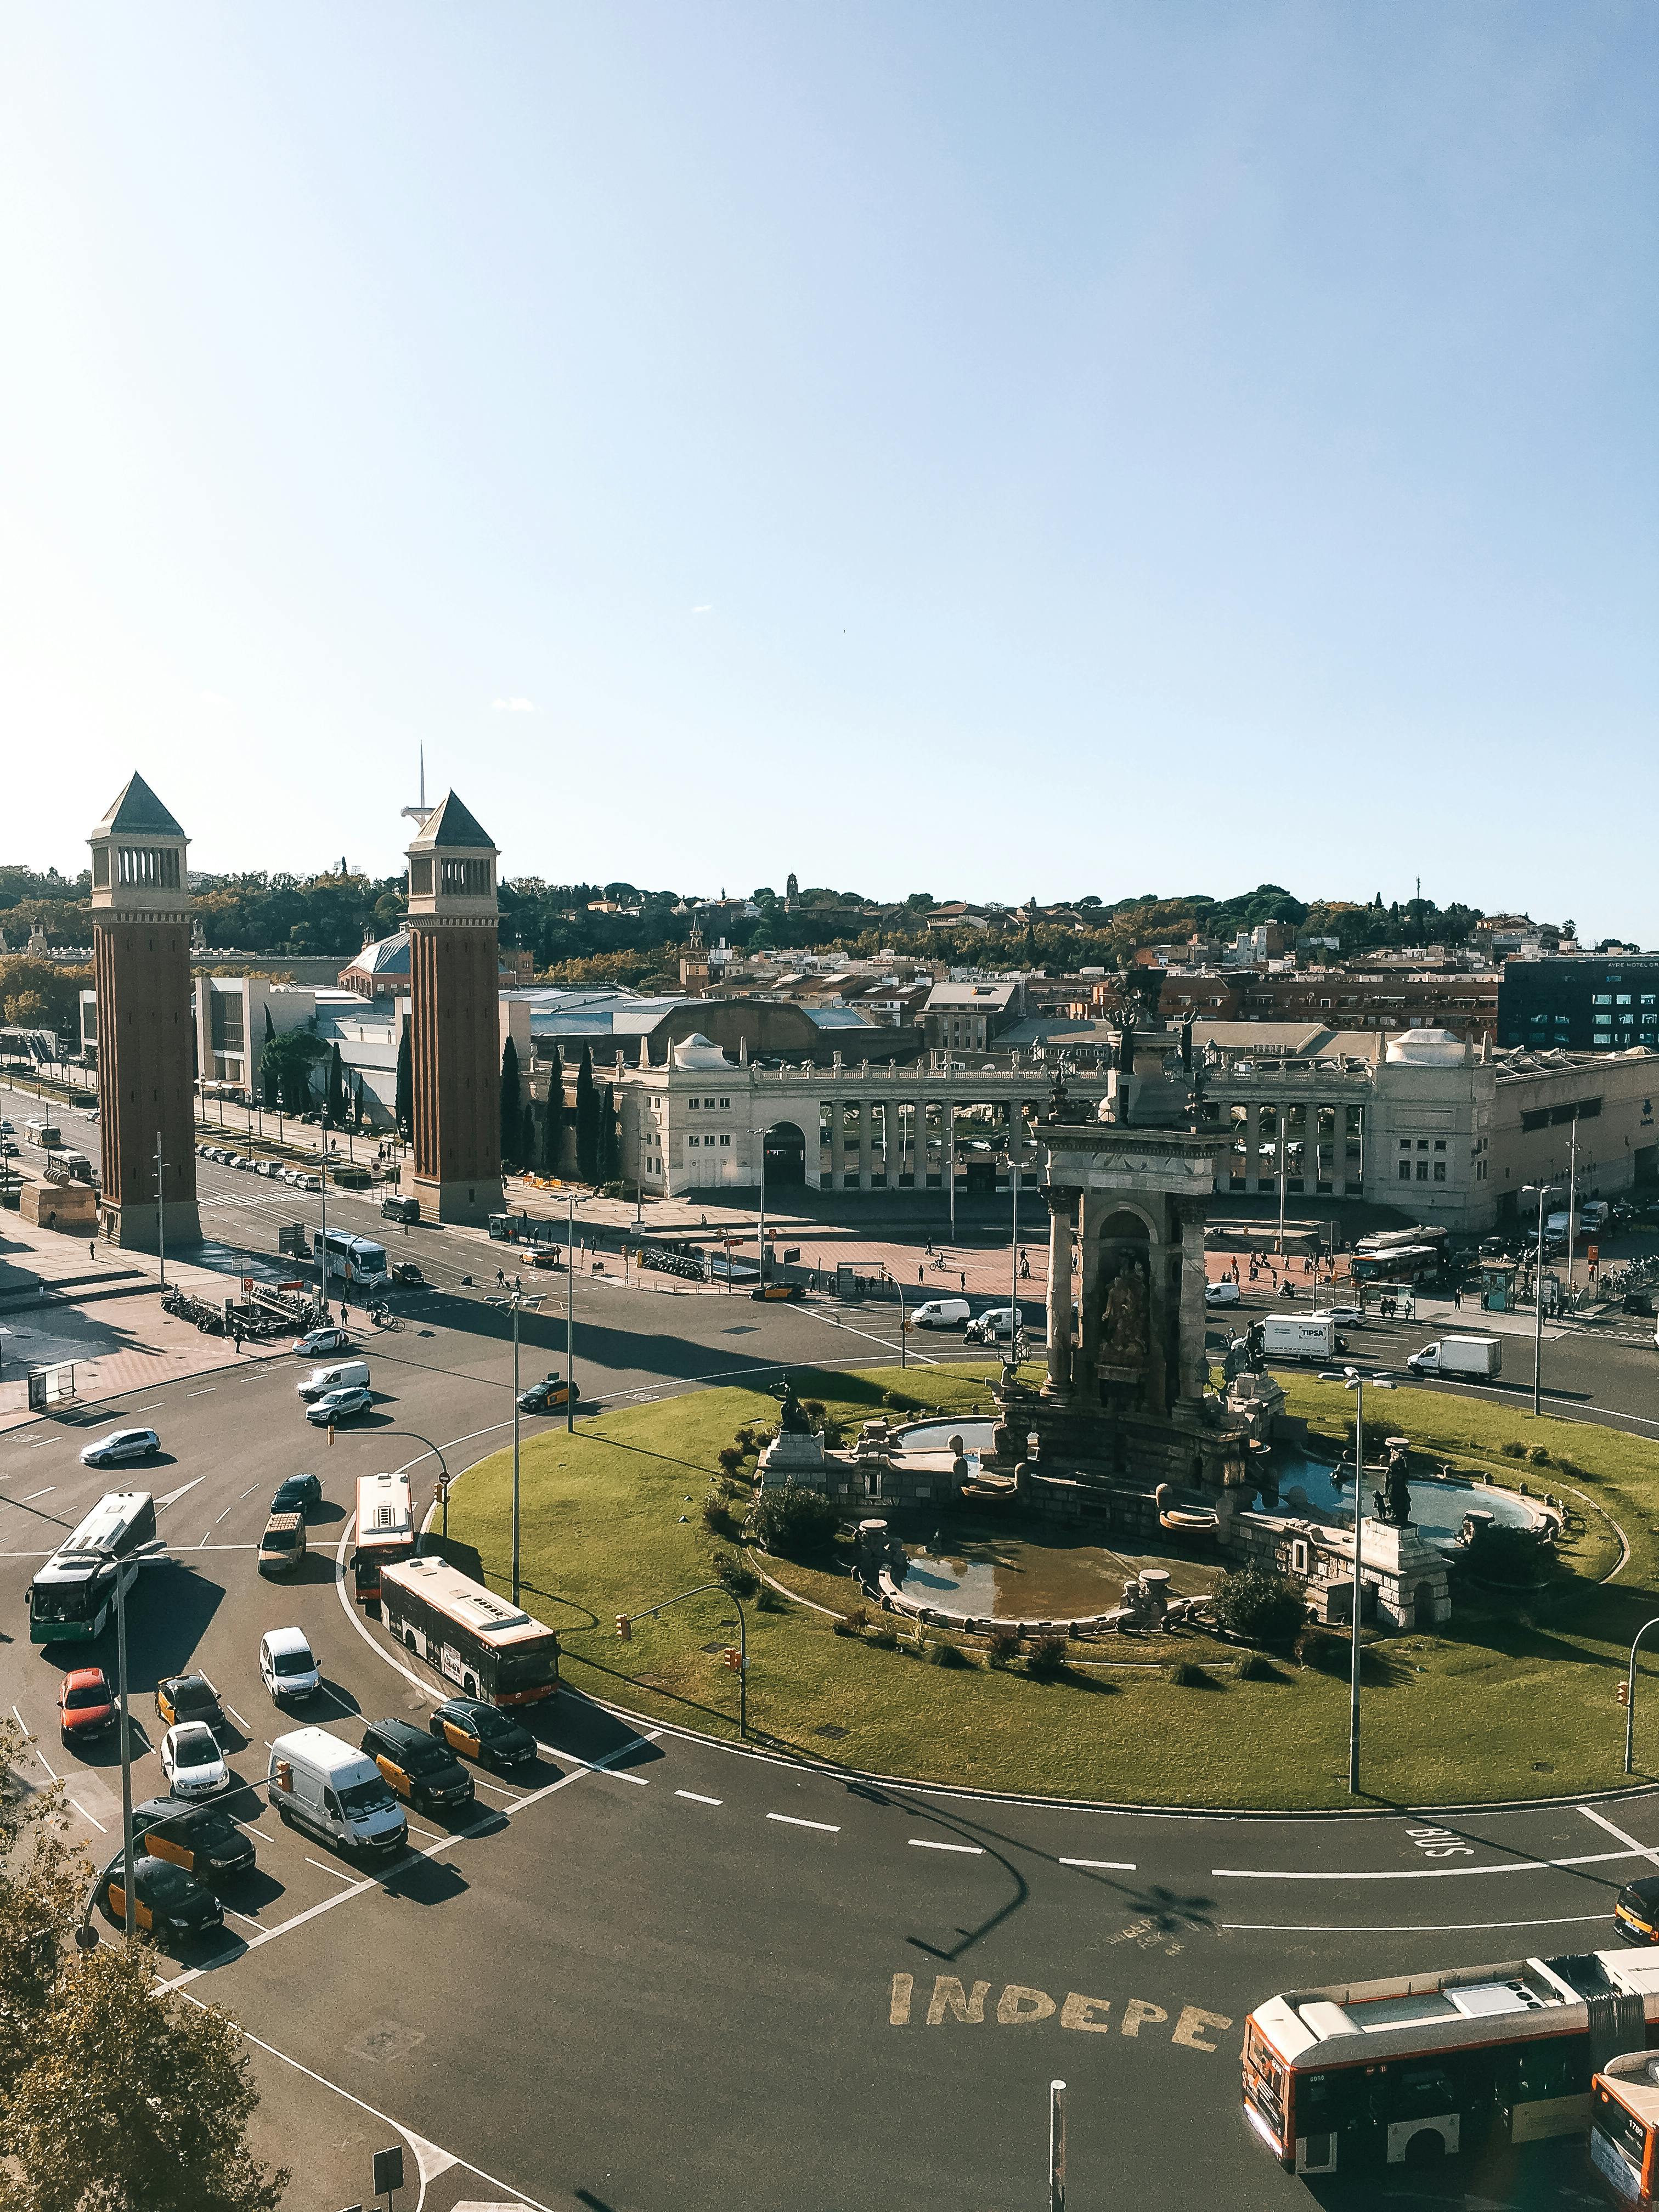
x=511 y=1115
x=553 y=1118
x=403 y=1106
x=335 y=1094
x=269 y=1086
x=587 y=1119
x=357 y=1105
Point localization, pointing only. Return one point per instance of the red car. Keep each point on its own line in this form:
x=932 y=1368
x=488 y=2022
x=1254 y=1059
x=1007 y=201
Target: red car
x=86 y=1703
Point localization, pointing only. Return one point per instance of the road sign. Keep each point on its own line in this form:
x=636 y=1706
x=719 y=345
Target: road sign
x=388 y=2171
x=1593 y=1254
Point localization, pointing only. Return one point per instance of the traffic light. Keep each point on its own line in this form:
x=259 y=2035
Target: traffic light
x=732 y=1657
x=624 y=1628
x=1624 y=1690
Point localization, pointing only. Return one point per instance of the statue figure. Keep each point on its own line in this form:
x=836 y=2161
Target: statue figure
x=1124 y=1319
x=1394 y=1501
x=1236 y=1359
x=792 y=1418
x=1186 y=1046
x=1126 y=1046
x=1256 y=1349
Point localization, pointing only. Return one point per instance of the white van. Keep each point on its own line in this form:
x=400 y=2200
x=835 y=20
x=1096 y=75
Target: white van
x=335 y=1793
x=345 y=1375
x=288 y=1666
x=941 y=1313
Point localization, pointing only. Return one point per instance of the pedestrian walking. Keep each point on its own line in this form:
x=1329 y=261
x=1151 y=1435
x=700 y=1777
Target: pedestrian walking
x=1457 y=1299
x=965 y=1282
x=922 y=1272
x=501 y=1278
x=92 y=1249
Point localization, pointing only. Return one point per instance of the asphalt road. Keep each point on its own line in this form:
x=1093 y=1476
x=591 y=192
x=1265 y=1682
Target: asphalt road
x=667 y=1974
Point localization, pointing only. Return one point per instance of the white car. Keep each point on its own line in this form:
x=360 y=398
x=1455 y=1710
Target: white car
x=120 y=1444
x=311 y=1182
x=1224 y=1293
x=339 y=1405
x=192 y=1761
x=287 y=1666
x=321 y=1341
x=995 y=1326
x=1344 y=1316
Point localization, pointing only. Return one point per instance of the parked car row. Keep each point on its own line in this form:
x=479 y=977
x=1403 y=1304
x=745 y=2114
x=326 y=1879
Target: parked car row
x=278 y=1171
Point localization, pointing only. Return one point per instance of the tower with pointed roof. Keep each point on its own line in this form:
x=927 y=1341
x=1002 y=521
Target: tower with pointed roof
x=141 y=967
x=455 y=1017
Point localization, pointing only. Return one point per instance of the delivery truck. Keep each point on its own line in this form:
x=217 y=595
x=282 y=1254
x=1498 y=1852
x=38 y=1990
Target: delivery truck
x=1315 y=1339
x=1468 y=1359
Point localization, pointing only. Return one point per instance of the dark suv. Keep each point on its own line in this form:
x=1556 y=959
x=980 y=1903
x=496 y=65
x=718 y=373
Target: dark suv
x=423 y=1772
x=202 y=1839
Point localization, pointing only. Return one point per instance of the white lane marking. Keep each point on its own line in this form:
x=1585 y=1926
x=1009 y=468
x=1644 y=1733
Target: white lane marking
x=33 y=1494
x=338 y=1872
x=494 y=1787
x=85 y=1815
x=207 y=1393
x=789 y=1820
x=1601 y=1821
x=1401 y=1927
x=696 y=1797
x=612 y=1773
x=246 y=1494
x=184 y=1489
x=1422 y=1873
x=925 y=1843
x=530 y=2204
x=149 y=1406
x=1106 y=1866
x=246 y=1917
x=30 y=1740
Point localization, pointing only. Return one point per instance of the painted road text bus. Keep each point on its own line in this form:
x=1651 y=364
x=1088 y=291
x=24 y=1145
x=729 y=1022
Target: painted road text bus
x=486 y=1645
x=356 y=1259
x=1425 y=2066
x=70 y=1598
x=386 y=1530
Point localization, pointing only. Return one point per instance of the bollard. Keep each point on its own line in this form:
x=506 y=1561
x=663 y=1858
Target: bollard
x=1057 y=2146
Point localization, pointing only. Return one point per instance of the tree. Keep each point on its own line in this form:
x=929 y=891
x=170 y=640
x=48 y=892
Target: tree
x=290 y=1058
x=268 y=1091
x=606 y=1162
x=357 y=1105
x=511 y=1112
x=405 y=1105
x=587 y=1119
x=1261 y=1607
x=552 y=1154
x=793 y=1519
x=335 y=1095
x=139 y=2102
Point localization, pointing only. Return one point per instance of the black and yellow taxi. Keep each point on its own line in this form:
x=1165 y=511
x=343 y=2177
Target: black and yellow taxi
x=168 y=1904
x=1636 y=1910
x=188 y=1698
x=791 y=1291
x=201 y=1838
x=424 y=1773
x=545 y=1397
x=482 y=1732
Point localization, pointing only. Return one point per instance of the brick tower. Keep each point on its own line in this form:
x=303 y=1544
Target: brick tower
x=455 y=1025
x=141 y=955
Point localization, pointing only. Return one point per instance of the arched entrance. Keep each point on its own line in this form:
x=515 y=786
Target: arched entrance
x=785 y=1156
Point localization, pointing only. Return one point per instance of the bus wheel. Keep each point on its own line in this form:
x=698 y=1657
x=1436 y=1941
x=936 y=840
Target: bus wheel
x=1427 y=2148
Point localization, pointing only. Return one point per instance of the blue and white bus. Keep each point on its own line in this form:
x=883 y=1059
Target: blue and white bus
x=355 y=1258
x=69 y=1598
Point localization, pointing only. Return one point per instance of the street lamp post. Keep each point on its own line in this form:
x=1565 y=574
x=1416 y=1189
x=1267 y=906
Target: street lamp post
x=160 y=1211
x=904 y=1360
x=1542 y=1192
x=1352 y=1379
x=144 y=1552
x=1629 y=1696
x=742 y=1638
x=570 y=1319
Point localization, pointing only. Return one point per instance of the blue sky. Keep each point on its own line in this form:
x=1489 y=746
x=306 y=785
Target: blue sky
x=983 y=450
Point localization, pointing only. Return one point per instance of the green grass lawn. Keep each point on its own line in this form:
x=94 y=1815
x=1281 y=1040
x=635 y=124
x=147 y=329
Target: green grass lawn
x=612 y=1522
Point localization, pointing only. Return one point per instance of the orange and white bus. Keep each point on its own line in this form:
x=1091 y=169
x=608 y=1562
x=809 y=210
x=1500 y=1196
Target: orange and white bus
x=385 y=1530
x=1421 y=2067
x=486 y=1645
x=1624 y=2142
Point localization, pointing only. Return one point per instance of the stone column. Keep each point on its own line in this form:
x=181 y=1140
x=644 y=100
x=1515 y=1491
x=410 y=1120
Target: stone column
x=1194 y=1362
x=1339 y=1151
x=1060 y=1204
x=864 y=1144
x=837 y=1140
x=1252 y=1145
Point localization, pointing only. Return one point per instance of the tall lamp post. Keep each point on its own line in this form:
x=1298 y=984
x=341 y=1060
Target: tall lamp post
x=625 y=1630
x=1629 y=1695
x=143 y=1554
x=1352 y=1379
x=1542 y=1192
x=516 y=1301
x=570 y=1319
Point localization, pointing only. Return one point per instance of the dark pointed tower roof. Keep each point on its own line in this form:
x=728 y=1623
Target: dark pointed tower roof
x=453 y=826
x=139 y=812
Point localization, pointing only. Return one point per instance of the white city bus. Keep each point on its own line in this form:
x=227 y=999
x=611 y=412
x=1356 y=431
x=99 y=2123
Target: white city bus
x=386 y=1530
x=357 y=1259
x=69 y=1598
x=486 y=1645
x=1425 y=2066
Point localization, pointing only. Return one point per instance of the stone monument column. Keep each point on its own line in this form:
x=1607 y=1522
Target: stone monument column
x=1194 y=1359
x=140 y=956
x=1061 y=1202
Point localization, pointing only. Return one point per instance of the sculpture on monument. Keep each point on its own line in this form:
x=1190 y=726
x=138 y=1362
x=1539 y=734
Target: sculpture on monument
x=792 y=1414
x=1393 y=1502
x=1123 y=1318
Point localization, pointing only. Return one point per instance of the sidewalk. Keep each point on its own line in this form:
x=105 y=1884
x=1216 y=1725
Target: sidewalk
x=108 y=1321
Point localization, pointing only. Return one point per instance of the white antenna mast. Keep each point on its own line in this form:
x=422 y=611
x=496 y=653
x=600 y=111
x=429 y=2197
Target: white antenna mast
x=419 y=813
